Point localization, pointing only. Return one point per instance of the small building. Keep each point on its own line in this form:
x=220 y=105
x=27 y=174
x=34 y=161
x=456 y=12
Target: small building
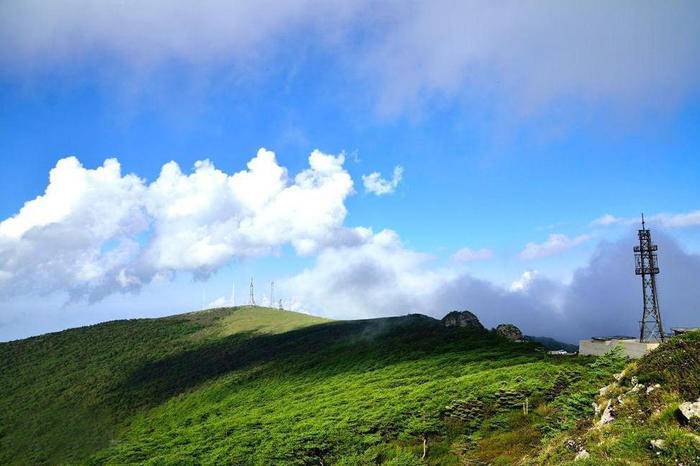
x=682 y=330
x=631 y=347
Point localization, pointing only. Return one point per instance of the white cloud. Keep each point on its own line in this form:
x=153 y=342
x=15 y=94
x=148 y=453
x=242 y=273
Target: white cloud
x=682 y=220
x=95 y=231
x=374 y=183
x=528 y=53
x=534 y=53
x=524 y=281
x=607 y=219
x=556 y=243
x=209 y=32
x=664 y=219
x=377 y=277
x=381 y=277
x=221 y=301
x=470 y=255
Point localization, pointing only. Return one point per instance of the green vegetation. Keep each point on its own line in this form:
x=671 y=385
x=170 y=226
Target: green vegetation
x=251 y=385
x=644 y=403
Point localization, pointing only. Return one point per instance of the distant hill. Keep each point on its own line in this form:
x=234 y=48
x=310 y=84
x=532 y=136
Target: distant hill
x=252 y=385
x=552 y=344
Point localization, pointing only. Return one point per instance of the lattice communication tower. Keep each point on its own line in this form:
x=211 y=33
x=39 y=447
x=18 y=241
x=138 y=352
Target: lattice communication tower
x=650 y=327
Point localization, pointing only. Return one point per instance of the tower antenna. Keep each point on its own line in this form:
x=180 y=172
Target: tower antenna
x=252 y=292
x=272 y=293
x=650 y=327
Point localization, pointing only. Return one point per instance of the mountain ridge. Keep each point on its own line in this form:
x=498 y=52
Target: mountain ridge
x=258 y=386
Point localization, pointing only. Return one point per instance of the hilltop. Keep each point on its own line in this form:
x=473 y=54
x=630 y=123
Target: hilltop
x=251 y=385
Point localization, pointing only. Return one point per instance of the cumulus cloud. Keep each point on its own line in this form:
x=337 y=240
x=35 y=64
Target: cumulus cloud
x=470 y=255
x=374 y=183
x=556 y=243
x=382 y=277
x=96 y=231
x=377 y=277
x=530 y=53
x=524 y=281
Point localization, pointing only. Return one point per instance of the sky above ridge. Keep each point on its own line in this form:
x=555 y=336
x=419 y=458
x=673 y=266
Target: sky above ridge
x=372 y=158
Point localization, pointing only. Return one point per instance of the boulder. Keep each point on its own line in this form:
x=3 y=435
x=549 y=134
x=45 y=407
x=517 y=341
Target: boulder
x=689 y=410
x=657 y=444
x=462 y=319
x=509 y=331
x=582 y=455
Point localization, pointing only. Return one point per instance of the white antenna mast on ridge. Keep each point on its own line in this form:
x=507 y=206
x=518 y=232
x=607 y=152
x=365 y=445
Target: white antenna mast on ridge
x=252 y=292
x=272 y=293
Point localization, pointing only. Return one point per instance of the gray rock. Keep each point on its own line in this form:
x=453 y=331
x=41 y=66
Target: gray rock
x=657 y=444
x=652 y=388
x=582 y=455
x=510 y=332
x=690 y=410
x=462 y=319
x=607 y=415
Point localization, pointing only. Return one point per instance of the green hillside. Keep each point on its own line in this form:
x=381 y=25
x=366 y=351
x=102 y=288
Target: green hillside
x=251 y=385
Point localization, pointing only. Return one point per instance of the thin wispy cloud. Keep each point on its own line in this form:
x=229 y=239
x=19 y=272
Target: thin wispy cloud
x=556 y=243
x=471 y=255
x=664 y=219
x=632 y=54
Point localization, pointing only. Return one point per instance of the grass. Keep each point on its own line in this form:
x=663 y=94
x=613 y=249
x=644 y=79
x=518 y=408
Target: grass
x=643 y=413
x=251 y=385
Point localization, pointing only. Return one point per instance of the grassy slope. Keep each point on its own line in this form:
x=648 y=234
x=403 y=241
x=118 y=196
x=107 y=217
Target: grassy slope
x=254 y=385
x=641 y=414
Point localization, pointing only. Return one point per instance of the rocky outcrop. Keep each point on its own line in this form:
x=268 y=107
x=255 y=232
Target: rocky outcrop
x=689 y=411
x=509 y=331
x=607 y=415
x=462 y=319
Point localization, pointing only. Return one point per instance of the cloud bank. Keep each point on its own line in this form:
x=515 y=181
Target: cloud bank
x=530 y=54
x=96 y=231
x=382 y=277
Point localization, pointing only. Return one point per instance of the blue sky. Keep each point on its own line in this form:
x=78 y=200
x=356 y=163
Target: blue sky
x=508 y=130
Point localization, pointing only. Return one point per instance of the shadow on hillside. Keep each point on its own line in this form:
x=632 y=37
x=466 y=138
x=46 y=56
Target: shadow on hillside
x=325 y=349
